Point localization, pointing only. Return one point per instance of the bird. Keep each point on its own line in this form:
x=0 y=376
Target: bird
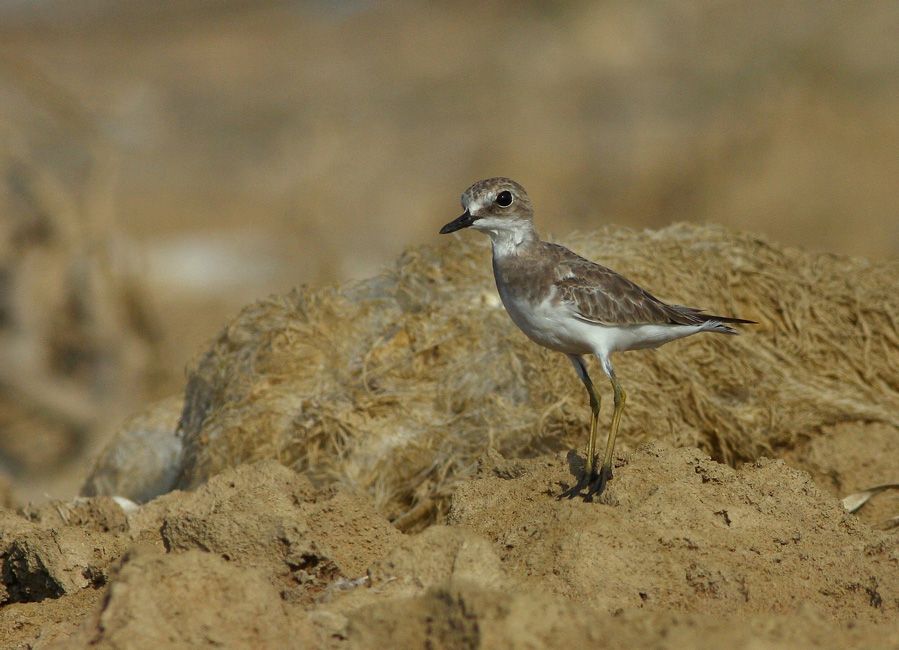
x=571 y=305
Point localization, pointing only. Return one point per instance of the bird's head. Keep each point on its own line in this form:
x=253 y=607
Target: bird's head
x=496 y=206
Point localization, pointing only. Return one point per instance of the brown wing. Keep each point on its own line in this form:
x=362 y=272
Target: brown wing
x=599 y=295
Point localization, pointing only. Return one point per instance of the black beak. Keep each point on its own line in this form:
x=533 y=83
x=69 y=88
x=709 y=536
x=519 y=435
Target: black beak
x=458 y=224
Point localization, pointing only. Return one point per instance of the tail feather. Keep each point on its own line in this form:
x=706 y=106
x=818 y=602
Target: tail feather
x=710 y=322
x=717 y=326
x=728 y=319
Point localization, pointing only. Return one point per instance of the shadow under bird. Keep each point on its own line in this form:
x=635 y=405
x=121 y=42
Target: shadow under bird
x=572 y=305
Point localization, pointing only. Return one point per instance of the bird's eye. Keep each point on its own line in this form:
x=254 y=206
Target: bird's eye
x=504 y=199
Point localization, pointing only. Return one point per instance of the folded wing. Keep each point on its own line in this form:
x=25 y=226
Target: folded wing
x=599 y=295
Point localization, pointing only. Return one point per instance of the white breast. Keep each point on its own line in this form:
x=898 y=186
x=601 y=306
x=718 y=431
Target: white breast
x=548 y=324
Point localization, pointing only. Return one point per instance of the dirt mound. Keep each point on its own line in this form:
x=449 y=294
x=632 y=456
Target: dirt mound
x=268 y=511
x=225 y=563
x=396 y=385
x=466 y=616
x=682 y=550
x=39 y=562
x=190 y=600
x=686 y=533
x=850 y=458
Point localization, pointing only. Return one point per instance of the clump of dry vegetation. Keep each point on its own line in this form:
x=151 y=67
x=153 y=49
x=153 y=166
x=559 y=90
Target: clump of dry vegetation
x=400 y=383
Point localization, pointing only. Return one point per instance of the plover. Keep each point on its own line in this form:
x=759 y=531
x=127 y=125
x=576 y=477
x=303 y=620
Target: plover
x=572 y=305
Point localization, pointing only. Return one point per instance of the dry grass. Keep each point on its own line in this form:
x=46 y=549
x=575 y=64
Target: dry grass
x=398 y=384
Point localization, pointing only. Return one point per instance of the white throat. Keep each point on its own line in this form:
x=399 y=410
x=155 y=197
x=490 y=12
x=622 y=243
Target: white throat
x=506 y=242
x=508 y=237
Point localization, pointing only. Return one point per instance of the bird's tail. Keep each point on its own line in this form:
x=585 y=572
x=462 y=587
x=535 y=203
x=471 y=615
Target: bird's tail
x=692 y=316
x=717 y=324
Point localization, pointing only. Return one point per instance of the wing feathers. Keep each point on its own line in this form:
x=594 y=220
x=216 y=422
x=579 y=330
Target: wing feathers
x=599 y=295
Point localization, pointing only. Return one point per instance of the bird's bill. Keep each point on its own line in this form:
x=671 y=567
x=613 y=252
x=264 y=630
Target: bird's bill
x=459 y=223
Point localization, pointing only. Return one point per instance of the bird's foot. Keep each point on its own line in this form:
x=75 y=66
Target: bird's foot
x=589 y=485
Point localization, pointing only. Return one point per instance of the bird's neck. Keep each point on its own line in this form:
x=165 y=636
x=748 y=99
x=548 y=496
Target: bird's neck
x=513 y=241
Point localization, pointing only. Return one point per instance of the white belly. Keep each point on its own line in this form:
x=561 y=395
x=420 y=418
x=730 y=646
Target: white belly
x=549 y=325
x=556 y=327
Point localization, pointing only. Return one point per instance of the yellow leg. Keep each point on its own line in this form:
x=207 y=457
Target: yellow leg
x=591 y=444
x=620 y=399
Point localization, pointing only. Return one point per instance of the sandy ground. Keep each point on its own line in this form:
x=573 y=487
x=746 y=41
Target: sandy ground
x=680 y=552
x=320 y=516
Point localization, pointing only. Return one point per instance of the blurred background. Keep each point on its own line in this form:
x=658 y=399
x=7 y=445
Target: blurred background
x=164 y=163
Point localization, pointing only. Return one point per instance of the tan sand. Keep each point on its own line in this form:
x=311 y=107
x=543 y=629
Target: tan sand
x=376 y=465
x=683 y=552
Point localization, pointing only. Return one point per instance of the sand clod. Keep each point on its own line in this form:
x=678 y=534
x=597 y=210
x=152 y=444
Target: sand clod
x=683 y=549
